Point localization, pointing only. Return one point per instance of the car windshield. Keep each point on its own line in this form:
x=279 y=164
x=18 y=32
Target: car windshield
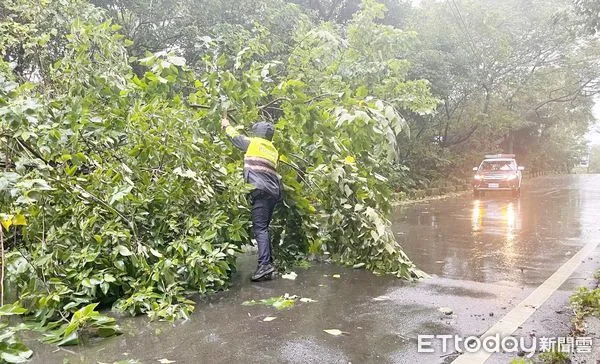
x=493 y=166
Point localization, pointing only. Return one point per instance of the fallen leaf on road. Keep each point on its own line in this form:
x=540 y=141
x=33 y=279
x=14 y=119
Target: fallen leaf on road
x=269 y=318
x=336 y=276
x=279 y=303
x=359 y=265
x=334 y=332
x=291 y=276
x=306 y=299
x=446 y=310
x=165 y=361
x=382 y=298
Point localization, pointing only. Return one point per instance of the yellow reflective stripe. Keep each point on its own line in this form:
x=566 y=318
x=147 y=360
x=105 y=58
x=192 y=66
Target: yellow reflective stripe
x=262 y=169
x=264 y=149
x=260 y=160
x=231 y=131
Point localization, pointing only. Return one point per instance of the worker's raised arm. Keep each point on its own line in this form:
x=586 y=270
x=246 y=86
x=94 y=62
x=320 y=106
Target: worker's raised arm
x=239 y=141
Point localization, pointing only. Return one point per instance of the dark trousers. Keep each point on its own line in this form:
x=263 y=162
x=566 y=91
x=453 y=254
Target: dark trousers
x=262 y=212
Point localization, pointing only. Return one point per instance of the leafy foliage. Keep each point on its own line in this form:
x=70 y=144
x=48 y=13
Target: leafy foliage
x=85 y=321
x=594 y=161
x=510 y=81
x=111 y=184
x=555 y=356
x=589 y=10
x=11 y=349
x=586 y=302
x=133 y=199
x=280 y=303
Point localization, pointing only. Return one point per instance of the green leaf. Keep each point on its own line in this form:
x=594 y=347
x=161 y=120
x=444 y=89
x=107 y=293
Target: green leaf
x=119 y=264
x=71 y=339
x=279 y=303
x=177 y=61
x=107 y=331
x=13 y=356
x=86 y=311
x=156 y=253
x=70 y=305
x=124 y=251
x=9 y=309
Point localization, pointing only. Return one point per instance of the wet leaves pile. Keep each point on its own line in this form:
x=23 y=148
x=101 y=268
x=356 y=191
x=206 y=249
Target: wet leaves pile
x=280 y=302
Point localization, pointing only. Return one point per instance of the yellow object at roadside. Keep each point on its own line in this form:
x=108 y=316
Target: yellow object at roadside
x=9 y=220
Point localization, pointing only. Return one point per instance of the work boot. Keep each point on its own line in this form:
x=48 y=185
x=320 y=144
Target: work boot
x=263 y=273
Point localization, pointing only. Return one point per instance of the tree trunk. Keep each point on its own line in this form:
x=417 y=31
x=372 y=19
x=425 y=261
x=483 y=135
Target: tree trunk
x=510 y=146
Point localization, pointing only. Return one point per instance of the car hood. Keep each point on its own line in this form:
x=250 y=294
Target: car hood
x=497 y=174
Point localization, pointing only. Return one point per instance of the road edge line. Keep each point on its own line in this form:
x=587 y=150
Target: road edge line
x=520 y=313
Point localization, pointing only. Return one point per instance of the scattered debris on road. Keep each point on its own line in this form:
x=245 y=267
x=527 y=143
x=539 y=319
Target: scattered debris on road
x=291 y=276
x=334 y=332
x=381 y=298
x=446 y=310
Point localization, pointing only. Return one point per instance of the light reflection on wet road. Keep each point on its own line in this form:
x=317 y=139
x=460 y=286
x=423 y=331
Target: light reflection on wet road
x=484 y=256
x=496 y=238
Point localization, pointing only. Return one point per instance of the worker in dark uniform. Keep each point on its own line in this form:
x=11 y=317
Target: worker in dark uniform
x=260 y=170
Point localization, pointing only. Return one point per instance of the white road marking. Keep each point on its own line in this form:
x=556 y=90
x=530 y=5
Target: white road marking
x=518 y=315
x=551 y=192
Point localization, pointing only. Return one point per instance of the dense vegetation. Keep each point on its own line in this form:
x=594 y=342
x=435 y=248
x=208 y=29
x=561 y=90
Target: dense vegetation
x=119 y=190
x=508 y=76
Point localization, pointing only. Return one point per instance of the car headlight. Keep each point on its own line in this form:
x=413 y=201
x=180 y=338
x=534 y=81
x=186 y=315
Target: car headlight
x=477 y=177
x=511 y=177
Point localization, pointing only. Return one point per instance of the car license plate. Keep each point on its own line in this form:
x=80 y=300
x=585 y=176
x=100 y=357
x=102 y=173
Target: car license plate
x=493 y=185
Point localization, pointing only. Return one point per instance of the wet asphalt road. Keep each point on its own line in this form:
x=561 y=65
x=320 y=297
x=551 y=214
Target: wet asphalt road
x=484 y=256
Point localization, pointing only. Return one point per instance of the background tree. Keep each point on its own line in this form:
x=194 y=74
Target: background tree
x=589 y=11
x=486 y=62
x=190 y=27
x=594 y=166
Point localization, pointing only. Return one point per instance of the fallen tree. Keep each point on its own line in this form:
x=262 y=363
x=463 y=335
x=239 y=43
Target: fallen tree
x=118 y=189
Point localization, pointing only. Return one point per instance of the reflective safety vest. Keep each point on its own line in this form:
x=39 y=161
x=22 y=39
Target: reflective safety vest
x=261 y=156
x=260 y=162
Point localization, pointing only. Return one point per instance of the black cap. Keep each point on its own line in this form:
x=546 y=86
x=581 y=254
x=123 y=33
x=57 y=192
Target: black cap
x=264 y=130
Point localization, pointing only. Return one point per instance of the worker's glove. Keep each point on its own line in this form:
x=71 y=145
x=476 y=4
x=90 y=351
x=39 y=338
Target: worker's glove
x=225 y=123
